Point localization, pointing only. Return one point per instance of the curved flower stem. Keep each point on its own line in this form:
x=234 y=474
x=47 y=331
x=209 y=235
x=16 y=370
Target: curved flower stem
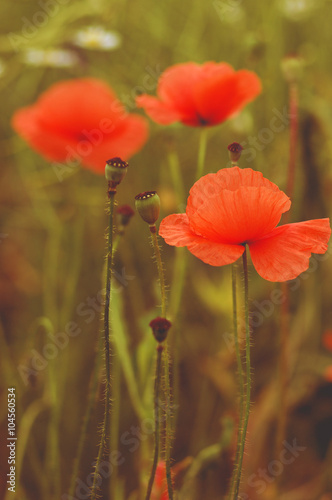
x=283 y=369
x=293 y=108
x=201 y=152
x=109 y=261
x=168 y=408
x=115 y=416
x=157 y=421
x=247 y=405
x=157 y=254
x=168 y=426
x=240 y=380
x=174 y=167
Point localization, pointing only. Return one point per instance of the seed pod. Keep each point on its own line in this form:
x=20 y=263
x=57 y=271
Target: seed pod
x=235 y=150
x=148 y=206
x=160 y=327
x=115 y=170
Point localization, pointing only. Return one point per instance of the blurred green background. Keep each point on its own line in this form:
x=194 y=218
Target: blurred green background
x=52 y=244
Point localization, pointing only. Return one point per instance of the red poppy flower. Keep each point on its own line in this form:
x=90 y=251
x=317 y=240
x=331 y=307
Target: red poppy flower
x=328 y=374
x=198 y=95
x=160 y=485
x=235 y=207
x=81 y=121
x=327 y=339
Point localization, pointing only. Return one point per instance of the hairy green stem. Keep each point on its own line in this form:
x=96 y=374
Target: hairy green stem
x=168 y=425
x=157 y=421
x=175 y=171
x=157 y=254
x=168 y=407
x=115 y=416
x=201 y=152
x=248 y=381
x=105 y=427
x=240 y=380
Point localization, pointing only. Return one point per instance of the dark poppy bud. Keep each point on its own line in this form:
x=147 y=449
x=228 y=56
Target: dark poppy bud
x=115 y=170
x=148 y=206
x=124 y=214
x=160 y=327
x=235 y=150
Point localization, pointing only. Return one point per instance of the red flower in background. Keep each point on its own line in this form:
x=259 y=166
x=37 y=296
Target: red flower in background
x=199 y=95
x=327 y=339
x=328 y=374
x=81 y=121
x=159 y=491
x=235 y=207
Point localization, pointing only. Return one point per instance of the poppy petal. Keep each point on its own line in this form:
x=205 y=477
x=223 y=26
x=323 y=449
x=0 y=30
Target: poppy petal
x=235 y=206
x=327 y=339
x=124 y=142
x=175 y=100
x=92 y=148
x=89 y=101
x=328 y=374
x=226 y=178
x=176 y=92
x=219 y=98
x=81 y=122
x=175 y=230
x=160 y=112
x=178 y=83
x=55 y=147
x=284 y=253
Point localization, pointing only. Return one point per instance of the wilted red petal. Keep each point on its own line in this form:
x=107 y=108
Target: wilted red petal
x=220 y=98
x=81 y=119
x=284 y=253
x=176 y=231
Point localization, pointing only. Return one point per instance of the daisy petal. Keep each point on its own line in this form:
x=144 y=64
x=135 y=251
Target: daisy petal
x=176 y=231
x=284 y=253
